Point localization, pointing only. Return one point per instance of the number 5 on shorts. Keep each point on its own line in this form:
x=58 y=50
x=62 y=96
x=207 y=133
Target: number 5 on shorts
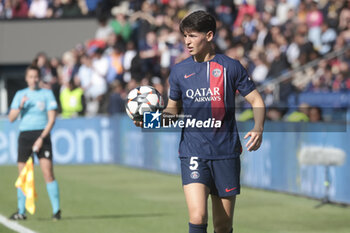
x=194 y=163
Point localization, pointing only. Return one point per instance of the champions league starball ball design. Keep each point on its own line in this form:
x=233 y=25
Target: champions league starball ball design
x=143 y=99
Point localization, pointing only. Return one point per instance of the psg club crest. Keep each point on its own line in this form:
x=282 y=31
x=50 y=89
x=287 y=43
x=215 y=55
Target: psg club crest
x=151 y=120
x=216 y=73
x=195 y=175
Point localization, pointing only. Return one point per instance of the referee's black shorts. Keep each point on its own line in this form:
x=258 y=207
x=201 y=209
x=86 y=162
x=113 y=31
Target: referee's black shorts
x=26 y=141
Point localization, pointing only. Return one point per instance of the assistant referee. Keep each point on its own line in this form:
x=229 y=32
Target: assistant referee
x=37 y=110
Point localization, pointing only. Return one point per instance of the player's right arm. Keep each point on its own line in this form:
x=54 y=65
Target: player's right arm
x=174 y=103
x=170 y=112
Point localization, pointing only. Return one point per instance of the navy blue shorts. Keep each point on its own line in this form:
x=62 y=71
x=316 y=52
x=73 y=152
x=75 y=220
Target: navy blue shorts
x=221 y=176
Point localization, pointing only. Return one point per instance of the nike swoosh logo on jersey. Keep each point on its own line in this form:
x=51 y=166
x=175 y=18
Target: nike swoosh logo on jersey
x=187 y=76
x=229 y=190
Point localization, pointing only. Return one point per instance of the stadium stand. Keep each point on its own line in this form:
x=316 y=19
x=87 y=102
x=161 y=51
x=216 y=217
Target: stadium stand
x=297 y=51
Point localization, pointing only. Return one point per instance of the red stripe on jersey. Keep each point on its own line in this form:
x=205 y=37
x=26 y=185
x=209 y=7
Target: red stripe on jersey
x=216 y=74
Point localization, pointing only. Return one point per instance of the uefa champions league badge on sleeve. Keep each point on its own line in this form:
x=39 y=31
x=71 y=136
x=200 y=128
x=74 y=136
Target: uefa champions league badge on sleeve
x=151 y=120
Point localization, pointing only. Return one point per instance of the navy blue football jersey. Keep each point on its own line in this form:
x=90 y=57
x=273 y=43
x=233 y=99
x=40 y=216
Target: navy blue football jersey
x=207 y=90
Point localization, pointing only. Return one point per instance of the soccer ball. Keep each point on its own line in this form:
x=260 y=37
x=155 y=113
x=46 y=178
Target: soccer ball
x=143 y=99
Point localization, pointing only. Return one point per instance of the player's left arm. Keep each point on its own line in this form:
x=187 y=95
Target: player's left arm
x=257 y=103
x=51 y=115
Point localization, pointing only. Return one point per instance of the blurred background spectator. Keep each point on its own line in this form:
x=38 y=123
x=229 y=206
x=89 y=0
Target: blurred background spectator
x=299 y=115
x=315 y=114
x=72 y=100
x=19 y=9
x=38 y=9
x=73 y=8
x=289 y=47
x=116 y=104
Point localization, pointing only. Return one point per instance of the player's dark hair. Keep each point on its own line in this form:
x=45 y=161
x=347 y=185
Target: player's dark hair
x=34 y=67
x=199 y=21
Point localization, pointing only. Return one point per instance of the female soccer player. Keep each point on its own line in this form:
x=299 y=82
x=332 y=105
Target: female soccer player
x=204 y=86
x=37 y=108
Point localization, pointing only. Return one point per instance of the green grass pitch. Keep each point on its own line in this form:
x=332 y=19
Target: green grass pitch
x=3 y=229
x=110 y=198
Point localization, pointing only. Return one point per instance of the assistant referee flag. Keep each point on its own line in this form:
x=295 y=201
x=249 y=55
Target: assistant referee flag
x=25 y=182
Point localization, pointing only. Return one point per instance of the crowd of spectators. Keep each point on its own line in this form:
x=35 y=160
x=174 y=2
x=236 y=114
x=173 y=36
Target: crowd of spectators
x=40 y=9
x=137 y=42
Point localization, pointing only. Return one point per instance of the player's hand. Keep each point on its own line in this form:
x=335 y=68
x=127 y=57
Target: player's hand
x=138 y=123
x=255 y=139
x=37 y=144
